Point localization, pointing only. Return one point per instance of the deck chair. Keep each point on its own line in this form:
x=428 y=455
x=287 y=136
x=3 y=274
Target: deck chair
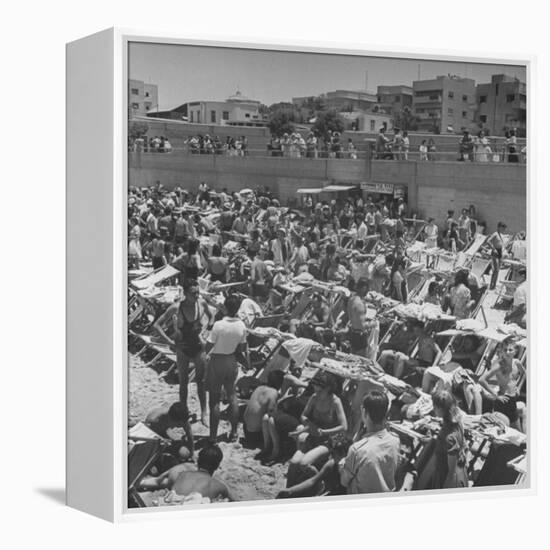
x=445 y=262
x=303 y=302
x=268 y=320
x=161 y=351
x=507 y=290
x=475 y=244
x=519 y=464
x=140 y=459
x=162 y=274
x=135 y=307
x=479 y=266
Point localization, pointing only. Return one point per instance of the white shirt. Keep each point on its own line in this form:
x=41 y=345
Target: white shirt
x=226 y=335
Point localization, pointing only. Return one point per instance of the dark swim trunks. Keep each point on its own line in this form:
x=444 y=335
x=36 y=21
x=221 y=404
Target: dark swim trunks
x=358 y=339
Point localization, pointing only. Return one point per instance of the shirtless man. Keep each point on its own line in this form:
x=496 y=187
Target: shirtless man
x=163 y=419
x=262 y=401
x=186 y=317
x=427 y=355
x=504 y=373
x=184 y=480
x=359 y=325
x=363 y=337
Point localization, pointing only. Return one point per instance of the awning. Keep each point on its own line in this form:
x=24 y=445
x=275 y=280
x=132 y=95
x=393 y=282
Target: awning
x=310 y=190
x=336 y=188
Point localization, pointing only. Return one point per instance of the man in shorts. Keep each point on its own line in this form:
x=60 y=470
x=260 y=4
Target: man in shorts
x=226 y=342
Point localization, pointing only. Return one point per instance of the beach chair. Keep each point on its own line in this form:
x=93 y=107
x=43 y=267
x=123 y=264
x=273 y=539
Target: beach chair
x=141 y=458
x=158 y=276
x=135 y=307
x=161 y=351
x=445 y=262
x=519 y=464
x=479 y=266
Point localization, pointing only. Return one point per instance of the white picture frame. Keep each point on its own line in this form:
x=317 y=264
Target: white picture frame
x=97 y=183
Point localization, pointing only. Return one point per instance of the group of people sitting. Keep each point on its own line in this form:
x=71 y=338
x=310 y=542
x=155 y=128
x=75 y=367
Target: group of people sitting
x=332 y=431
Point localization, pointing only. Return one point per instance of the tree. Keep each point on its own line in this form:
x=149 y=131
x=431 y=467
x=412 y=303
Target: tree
x=280 y=123
x=406 y=120
x=137 y=130
x=330 y=121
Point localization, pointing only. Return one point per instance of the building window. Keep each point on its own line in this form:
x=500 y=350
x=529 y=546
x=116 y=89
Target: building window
x=135 y=105
x=510 y=98
x=483 y=99
x=398 y=99
x=213 y=116
x=372 y=125
x=147 y=107
x=483 y=118
x=464 y=114
x=450 y=111
x=496 y=89
x=135 y=91
x=191 y=116
x=464 y=98
x=451 y=95
x=434 y=97
x=146 y=94
x=225 y=115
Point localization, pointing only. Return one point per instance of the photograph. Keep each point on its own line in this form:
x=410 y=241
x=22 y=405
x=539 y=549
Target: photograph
x=327 y=288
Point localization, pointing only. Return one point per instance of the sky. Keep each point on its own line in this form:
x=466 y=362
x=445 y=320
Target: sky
x=189 y=73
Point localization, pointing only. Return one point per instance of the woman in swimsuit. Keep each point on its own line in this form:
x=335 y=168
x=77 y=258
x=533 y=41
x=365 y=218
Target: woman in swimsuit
x=323 y=416
x=186 y=317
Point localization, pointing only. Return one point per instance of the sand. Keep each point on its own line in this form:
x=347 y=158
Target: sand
x=245 y=477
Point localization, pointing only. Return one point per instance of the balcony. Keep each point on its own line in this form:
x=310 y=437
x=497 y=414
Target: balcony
x=423 y=100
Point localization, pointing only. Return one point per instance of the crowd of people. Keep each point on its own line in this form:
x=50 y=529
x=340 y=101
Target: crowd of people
x=151 y=144
x=397 y=146
x=294 y=145
x=330 y=429
x=214 y=145
x=474 y=148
